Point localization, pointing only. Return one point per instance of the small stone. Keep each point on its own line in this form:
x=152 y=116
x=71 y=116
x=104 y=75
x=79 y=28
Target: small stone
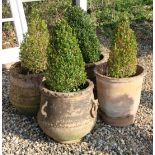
x=122 y=141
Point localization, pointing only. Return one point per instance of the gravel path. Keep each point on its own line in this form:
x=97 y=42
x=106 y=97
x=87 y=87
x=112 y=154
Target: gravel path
x=22 y=135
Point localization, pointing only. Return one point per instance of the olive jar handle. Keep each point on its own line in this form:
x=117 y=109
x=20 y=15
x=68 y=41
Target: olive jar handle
x=43 y=112
x=94 y=108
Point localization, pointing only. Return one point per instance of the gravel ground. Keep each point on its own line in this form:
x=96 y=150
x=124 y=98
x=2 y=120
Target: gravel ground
x=22 y=135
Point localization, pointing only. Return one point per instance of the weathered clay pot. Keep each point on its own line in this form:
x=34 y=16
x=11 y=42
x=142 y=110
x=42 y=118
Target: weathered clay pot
x=24 y=90
x=90 y=70
x=67 y=117
x=118 y=97
x=91 y=66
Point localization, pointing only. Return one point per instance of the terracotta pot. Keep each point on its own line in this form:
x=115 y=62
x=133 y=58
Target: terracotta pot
x=24 y=90
x=90 y=70
x=119 y=98
x=91 y=66
x=67 y=117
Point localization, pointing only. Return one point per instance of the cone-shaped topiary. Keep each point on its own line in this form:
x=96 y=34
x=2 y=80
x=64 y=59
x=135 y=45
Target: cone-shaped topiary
x=66 y=68
x=122 y=59
x=33 y=49
x=85 y=31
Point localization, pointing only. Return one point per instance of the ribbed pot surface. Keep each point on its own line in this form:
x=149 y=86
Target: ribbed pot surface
x=24 y=91
x=67 y=117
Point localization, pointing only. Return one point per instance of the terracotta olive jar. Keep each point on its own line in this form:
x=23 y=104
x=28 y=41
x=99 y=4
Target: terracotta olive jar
x=67 y=117
x=68 y=110
x=90 y=67
x=118 y=98
x=24 y=90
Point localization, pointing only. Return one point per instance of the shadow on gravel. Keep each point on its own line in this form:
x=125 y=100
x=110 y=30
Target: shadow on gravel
x=22 y=126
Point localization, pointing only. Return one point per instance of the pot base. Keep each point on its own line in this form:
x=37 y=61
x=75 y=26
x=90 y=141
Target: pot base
x=26 y=110
x=119 y=121
x=70 y=142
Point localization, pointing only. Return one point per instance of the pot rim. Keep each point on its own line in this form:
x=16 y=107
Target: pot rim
x=14 y=72
x=68 y=94
x=104 y=55
x=138 y=75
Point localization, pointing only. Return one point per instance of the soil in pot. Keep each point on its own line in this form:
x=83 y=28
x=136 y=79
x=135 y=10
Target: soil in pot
x=118 y=98
x=24 y=90
x=67 y=117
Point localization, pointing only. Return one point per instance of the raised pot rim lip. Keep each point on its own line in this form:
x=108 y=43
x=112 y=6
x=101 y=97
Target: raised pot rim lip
x=92 y=64
x=15 y=73
x=66 y=94
x=120 y=80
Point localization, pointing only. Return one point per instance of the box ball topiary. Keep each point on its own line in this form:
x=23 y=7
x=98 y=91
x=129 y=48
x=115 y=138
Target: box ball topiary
x=85 y=31
x=66 y=67
x=33 y=49
x=123 y=56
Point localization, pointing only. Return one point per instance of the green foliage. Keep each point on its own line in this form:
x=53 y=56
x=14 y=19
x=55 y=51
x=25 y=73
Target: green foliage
x=6 y=13
x=52 y=10
x=34 y=46
x=86 y=33
x=66 y=68
x=108 y=12
x=7 y=26
x=28 y=7
x=122 y=59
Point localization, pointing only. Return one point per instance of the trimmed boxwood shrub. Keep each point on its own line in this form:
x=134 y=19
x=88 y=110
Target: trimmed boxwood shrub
x=66 y=68
x=123 y=56
x=33 y=49
x=85 y=31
